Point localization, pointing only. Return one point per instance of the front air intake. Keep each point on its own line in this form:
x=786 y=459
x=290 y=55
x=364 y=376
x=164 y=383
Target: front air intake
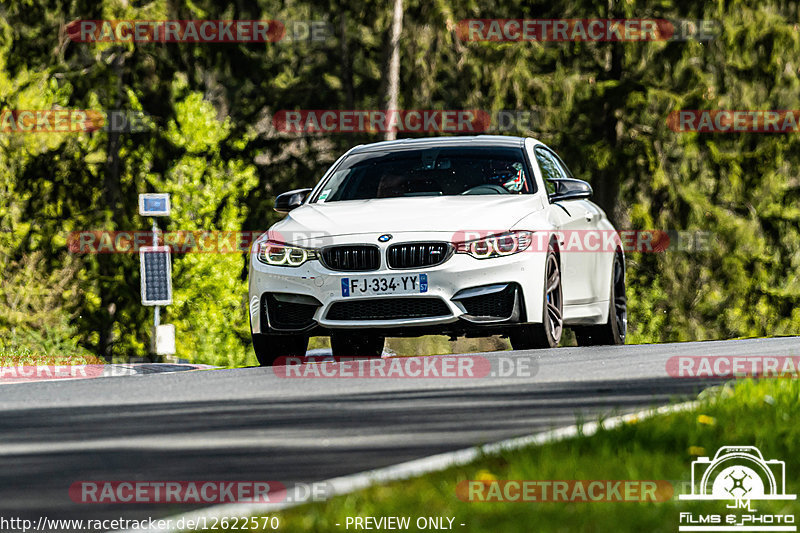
x=388 y=309
x=352 y=258
x=417 y=254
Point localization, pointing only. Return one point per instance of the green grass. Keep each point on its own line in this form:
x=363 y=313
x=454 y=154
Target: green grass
x=762 y=414
x=16 y=355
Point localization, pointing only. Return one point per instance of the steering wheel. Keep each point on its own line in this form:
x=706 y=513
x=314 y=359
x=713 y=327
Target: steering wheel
x=486 y=188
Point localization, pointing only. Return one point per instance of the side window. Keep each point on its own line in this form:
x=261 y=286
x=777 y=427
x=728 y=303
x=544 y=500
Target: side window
x=549 y=168
x=563 y=168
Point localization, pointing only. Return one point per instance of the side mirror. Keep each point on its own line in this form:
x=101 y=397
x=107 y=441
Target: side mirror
x=290 y=200
x=570 y=189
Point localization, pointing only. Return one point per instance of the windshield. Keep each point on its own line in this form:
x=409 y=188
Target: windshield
x=428 y=172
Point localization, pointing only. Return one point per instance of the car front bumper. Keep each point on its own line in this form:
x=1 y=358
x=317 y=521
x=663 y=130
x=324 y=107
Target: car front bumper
x=459 y=294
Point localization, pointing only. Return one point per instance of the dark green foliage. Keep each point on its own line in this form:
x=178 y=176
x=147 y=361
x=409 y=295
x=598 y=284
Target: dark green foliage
x=603 y=106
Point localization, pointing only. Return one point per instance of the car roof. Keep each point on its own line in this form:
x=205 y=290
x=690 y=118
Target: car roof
x=433 y=142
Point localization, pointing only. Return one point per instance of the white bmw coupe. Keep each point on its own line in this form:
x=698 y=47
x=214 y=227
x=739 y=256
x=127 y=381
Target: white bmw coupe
x=458 y=236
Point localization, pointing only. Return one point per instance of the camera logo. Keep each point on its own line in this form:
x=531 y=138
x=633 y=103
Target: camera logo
x=738 y=473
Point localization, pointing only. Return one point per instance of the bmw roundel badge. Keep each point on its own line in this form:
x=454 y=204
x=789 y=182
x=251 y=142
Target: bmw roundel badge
x=385 y=238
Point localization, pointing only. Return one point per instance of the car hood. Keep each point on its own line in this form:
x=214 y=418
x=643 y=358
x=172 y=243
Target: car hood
x=398 y=215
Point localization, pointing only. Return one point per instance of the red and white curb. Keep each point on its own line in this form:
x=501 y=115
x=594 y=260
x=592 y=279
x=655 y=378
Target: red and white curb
x=37 y=373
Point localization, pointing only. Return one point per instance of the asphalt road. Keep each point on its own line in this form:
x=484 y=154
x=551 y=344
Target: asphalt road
x=249 y=424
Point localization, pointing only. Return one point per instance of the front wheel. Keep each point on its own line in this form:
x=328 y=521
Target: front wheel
x=616 y=328
x=269 y=348
x=356 y=344
x=548 y=333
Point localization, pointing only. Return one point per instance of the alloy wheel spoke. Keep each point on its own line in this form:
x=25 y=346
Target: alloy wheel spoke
x=555 y=328
x=553 y=281
x=554 y=312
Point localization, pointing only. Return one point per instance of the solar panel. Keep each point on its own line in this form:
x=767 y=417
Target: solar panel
x=156 y=275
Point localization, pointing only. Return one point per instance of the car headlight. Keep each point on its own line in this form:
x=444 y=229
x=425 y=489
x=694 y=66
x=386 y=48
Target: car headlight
x=497 y=245
x=281 y=254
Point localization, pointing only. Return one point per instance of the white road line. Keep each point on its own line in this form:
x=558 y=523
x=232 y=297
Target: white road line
x=417 y=467
x=256 y=439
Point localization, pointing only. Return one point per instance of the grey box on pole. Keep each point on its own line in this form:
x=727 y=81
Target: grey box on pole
x=154 y=204
x=165 y=339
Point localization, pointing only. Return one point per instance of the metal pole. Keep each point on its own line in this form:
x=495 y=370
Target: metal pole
x=156 y=322
x=157 y=309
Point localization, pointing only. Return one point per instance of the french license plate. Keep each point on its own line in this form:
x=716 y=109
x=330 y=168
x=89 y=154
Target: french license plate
x=362 y=286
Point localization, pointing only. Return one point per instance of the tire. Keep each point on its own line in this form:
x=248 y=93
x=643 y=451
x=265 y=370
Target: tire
x=268 y=348
x=356 y=344
x=548 y=333
x=613 y=332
